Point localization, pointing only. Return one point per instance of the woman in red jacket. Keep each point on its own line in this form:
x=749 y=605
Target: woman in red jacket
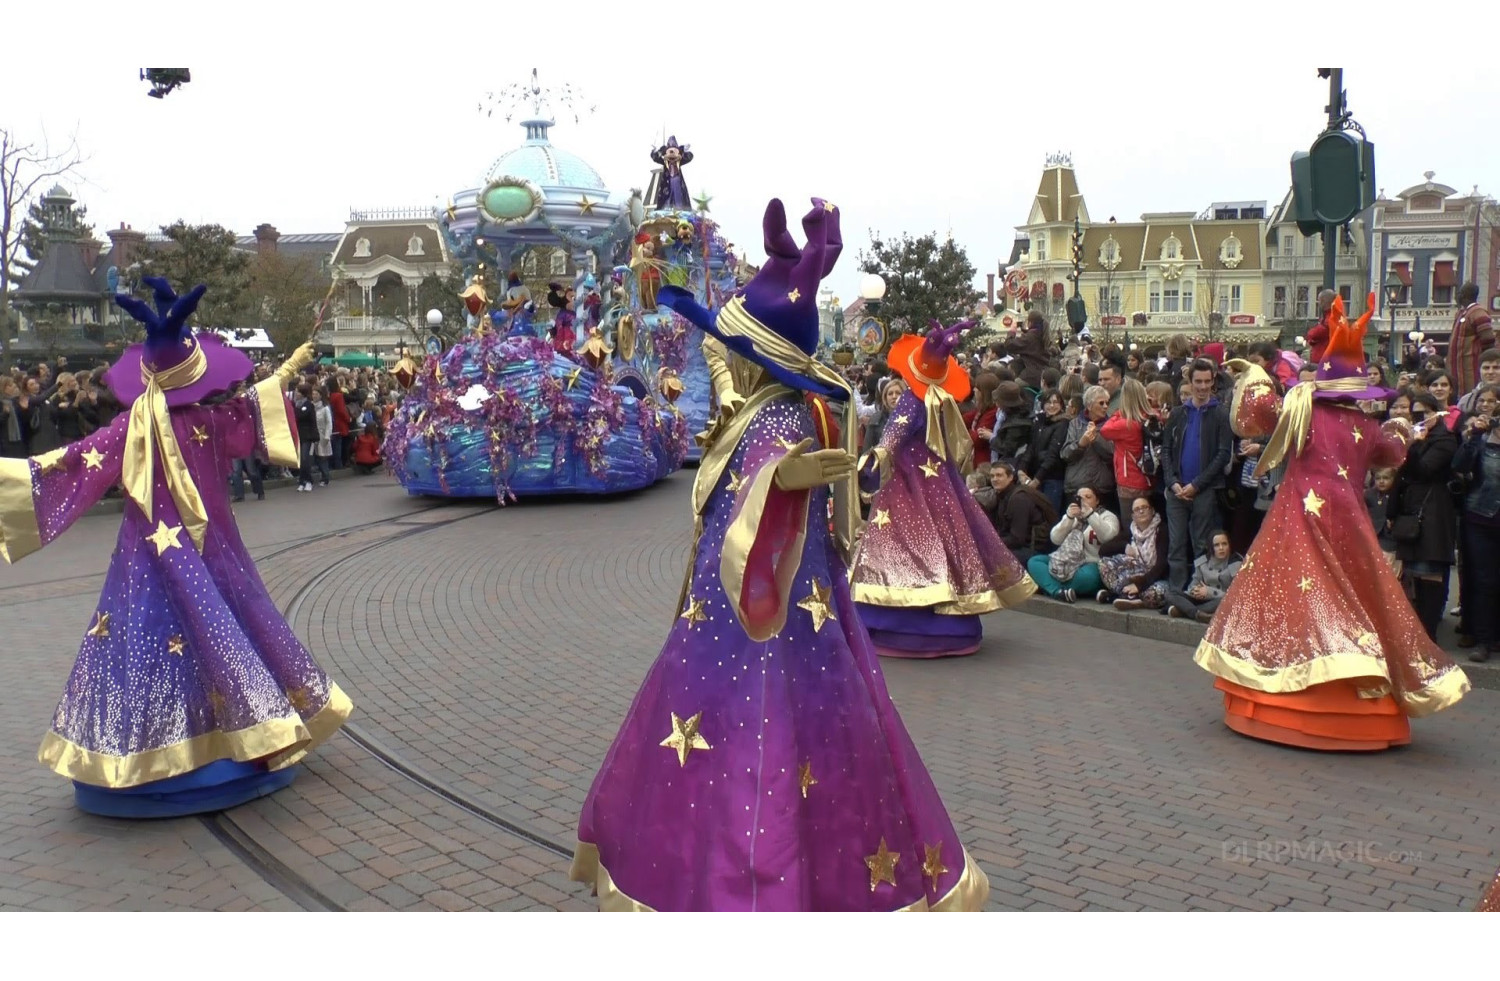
x=1127 y=430
x=981 y=420
x=341 y=420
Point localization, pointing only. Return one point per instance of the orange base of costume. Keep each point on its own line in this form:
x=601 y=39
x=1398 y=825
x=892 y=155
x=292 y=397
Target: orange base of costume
x=1331 y=716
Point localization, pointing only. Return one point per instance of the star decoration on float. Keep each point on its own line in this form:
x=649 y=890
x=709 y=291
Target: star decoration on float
x=165 y=537
x=200 y=435
x=930 y=468
x=100 y=629
x=794 y=295
x=1305 y=584
x=694 y=613
x=817 y=604
x=701 y=202
x=175 y=644
x=736 y=481
x=585 y=206
x=880 y=518
x=1313 y=504
x=573 y=378
x=932 y=862
x=805 y=778
x=1358 y=434
x=451 y=211
x=882 y=866
x=685 y=737
x=1343 y=471
x=93 y=459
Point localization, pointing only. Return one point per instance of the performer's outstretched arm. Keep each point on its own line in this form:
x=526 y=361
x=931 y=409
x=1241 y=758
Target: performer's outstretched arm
x=42 y=496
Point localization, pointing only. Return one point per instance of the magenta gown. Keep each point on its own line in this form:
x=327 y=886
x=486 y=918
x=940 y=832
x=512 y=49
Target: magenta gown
x=929 y=561
x=770 y=773
x=186 y=666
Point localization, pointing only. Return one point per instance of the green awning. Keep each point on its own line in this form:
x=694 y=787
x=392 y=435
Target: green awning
x=357 y=359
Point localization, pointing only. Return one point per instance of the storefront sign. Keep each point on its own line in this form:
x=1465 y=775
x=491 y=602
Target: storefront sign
x=1243 y=319
x=1413 y=240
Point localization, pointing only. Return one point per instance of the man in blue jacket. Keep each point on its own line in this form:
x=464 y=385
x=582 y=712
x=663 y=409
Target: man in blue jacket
x=1197 y=446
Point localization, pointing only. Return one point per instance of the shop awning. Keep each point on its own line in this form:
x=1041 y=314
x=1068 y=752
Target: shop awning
x=1402 y=271
x=1444 y=275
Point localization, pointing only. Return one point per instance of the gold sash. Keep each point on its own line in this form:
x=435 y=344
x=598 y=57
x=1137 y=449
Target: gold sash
x=1296 y=419
x=151 y=424
x=947 y=436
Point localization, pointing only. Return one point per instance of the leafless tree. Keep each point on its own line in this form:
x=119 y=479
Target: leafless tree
x=24 y=168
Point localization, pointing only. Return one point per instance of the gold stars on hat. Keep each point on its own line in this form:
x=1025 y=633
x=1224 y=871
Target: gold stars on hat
x=829 y=207
x=805 y=778
x=794 y=295
x=175 y=644
x=930 y=468
x=694 y=614
x=685 y=737
x=200 y=435
x=93 y=459
x=817 y=604
x=932 y=863
x=880 y=518
x=165 y=537
x=882 y=866
x=1313 y=504
x=100 y=629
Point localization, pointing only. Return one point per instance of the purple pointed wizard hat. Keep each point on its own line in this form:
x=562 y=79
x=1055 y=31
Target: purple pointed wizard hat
x=782 y=298
x=189 y=367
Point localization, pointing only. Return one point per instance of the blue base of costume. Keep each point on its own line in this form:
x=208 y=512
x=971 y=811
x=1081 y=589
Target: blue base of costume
x=216 y=787
x=919 y=632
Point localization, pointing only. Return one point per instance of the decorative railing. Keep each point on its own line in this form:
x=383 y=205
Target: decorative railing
x=1311 y=263
x=371 y=325
x=390 y=214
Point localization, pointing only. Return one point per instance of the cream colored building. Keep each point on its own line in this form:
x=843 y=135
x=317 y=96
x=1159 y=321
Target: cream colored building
x=1176 y=268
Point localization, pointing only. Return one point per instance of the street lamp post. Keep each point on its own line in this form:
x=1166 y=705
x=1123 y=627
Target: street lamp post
x=1077 y=309
x=1392 y=298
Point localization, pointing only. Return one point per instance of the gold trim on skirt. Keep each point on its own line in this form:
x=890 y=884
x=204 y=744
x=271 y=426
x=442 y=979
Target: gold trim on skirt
x=281 y=741
x=968 y=894
x=1443 y=691
x=944 y=598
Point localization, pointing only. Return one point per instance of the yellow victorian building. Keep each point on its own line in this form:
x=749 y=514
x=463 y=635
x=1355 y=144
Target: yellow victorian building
x=1174 y=272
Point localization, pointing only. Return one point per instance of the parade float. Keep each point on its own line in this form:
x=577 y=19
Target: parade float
x=568 y=378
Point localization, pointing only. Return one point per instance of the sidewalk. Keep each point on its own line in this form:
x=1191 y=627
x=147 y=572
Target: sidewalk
x=1153 y=625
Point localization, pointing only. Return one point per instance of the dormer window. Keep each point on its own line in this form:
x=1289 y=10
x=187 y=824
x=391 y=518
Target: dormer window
x=414 y=246
x=1109 y=254
x=362 y=249
x=1039 y=247
x=1171 y=249
x=1230 y=254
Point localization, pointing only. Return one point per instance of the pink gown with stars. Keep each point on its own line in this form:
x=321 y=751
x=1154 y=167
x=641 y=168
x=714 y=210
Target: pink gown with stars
x=763 y=765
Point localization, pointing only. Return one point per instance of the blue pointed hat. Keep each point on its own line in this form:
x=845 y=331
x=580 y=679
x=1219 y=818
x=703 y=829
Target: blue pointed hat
x=780 y=303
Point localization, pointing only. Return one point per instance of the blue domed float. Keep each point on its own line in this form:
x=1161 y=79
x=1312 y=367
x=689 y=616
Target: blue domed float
x=569 y=378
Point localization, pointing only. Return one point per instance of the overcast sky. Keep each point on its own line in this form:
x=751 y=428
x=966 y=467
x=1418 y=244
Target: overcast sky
x=917 y=117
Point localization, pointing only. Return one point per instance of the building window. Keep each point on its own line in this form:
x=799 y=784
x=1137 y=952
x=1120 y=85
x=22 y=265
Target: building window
x=1278 y=303
x=559 y=263
x=1444 y=279
x=1187 y=296
x=1111 y=250
x=414 y=246
x=1171 y=249
x=362 y=249
x=1039 y=247
x=1222 y=306
x=1109 y=300
x=1310 y=245
x=1155 y=297
x=1171 y=297
x=1288 y=242
x=528 y=265
x=1236 y=299
x=1403 y=273
x=1344 y=291
x=1304 y=302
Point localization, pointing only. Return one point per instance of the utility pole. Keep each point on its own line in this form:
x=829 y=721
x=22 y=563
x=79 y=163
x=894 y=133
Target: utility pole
x=1335 y=123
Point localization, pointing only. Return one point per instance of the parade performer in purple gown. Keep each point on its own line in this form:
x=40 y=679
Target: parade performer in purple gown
x=930 y=561
x=670 y=188
x=762 y=765
x=190 y=692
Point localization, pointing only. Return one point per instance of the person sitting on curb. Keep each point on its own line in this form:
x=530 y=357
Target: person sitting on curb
x=1073 y=567
x=1212 y=573
x=1133 y=568
x=1018 y=512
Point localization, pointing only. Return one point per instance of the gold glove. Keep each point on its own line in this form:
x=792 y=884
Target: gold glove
x=801 y=470
x=301 y=358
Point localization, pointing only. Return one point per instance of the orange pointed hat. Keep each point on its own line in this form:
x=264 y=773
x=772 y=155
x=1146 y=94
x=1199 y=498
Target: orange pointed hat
x=927 y=359
x=1345 y=356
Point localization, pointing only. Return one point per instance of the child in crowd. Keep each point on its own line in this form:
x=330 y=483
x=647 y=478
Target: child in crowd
x=367 y=450
x=1381 y=506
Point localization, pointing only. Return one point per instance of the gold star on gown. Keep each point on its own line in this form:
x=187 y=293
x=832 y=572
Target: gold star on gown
x=817 y=604
x=930 y=468
x=1313 y=504
x=100 y=628
x=175 y=644
x=882 y=866
x=165 y=537
x=685 y=738
x=805 y=778
x=694 y=613
x=902 y=419
x=1344 y=471
x=794 y=294
x=932 y=863
x=880 y=518
x=93 y=459
x=1358 y=435
x=1305 y=584
x=200 y=435
x=736 y=481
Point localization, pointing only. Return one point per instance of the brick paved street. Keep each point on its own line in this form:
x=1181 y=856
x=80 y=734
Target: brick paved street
x=491 y=653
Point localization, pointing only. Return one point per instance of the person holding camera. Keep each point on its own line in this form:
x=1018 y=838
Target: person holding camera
x=1426 y=525
x=1477 y=462
x=1073 y=566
